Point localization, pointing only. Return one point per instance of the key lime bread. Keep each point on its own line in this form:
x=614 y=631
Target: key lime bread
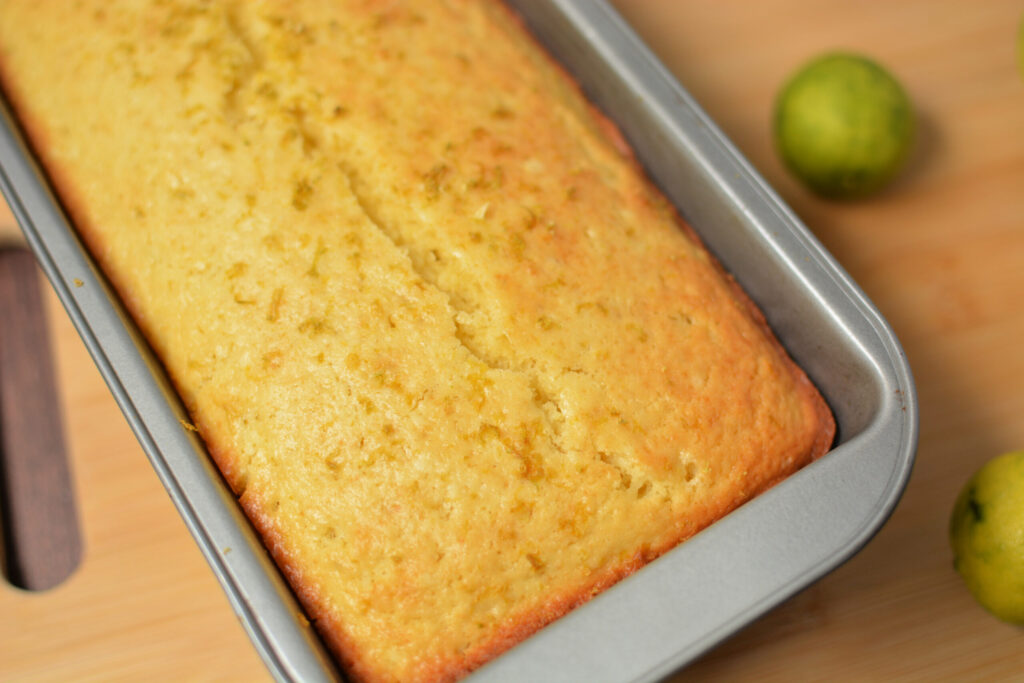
x=462 y=364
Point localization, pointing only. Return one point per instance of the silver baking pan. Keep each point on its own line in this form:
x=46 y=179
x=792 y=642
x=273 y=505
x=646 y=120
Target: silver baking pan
x=682 y=604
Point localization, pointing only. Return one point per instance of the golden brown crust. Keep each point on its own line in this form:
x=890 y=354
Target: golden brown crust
x=216 y=411
x=826 y=434
x=348 y=654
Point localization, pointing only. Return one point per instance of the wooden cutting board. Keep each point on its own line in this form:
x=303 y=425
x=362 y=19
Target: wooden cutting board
x=941 y=254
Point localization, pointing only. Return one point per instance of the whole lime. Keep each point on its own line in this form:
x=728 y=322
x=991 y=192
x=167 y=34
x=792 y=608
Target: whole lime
x=986 y=532
x=844 y=125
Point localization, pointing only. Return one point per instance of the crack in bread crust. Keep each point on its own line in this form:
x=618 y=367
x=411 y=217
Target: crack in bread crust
x=463 y=364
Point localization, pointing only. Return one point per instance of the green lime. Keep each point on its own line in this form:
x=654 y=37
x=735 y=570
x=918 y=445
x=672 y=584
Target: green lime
x=843 y=125
x=986 y=531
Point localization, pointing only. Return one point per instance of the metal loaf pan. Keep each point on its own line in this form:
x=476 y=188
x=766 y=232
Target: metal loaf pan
x=682 y=604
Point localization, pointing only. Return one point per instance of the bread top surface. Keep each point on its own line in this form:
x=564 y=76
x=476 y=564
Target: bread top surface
x=451 y=349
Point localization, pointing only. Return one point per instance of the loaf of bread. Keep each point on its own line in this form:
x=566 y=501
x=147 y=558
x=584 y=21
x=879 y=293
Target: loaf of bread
x=462 y=364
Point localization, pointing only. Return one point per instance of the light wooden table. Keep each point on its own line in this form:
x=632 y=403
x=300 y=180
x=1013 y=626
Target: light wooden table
x=941 y=254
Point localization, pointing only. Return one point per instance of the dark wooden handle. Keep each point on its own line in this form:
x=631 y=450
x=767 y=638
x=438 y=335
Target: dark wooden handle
x=42 y=546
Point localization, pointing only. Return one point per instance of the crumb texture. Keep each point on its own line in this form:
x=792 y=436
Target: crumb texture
x=452 y=350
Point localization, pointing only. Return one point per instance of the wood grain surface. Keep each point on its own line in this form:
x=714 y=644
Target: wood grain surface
x=941 y=254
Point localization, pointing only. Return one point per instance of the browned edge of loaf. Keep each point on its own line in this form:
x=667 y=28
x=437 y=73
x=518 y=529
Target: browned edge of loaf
x=558 y=605
x=331 y=629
